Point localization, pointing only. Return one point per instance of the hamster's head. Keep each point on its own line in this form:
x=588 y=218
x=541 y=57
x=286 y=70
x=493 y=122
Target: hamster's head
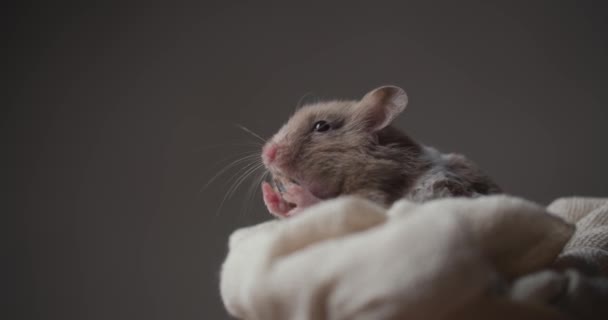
x=327 y=148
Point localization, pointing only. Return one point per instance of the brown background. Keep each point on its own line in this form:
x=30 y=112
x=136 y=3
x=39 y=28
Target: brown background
x=120 y=113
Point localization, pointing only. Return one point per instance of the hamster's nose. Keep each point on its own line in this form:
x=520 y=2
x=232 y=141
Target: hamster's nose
x=269 y=153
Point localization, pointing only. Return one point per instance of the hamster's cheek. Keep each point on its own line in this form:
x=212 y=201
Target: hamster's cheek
x=299 y=196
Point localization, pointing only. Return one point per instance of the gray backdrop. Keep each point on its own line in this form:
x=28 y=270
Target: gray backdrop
x=121 y=113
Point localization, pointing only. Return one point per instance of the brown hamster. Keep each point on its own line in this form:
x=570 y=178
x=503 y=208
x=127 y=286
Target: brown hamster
x=337 y=148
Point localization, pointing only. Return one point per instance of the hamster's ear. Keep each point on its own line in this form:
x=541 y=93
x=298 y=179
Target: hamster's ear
x=379 y=107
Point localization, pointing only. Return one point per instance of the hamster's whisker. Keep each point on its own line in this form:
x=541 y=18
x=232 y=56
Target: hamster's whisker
x=253 y=190
x=239 y=173
x=207 y=147
x=251 y=132
x=242 y=155
x=235 y=185
x=241 y=179
x=234 y=178
x=247 y=157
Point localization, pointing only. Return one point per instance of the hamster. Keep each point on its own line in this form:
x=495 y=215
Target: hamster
x=335 y=148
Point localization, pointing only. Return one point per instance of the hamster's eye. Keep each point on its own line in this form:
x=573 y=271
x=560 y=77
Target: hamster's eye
x=321 y=126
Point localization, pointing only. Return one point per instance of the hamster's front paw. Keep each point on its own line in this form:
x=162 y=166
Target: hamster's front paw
x=288 y=200
x=274 y=201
